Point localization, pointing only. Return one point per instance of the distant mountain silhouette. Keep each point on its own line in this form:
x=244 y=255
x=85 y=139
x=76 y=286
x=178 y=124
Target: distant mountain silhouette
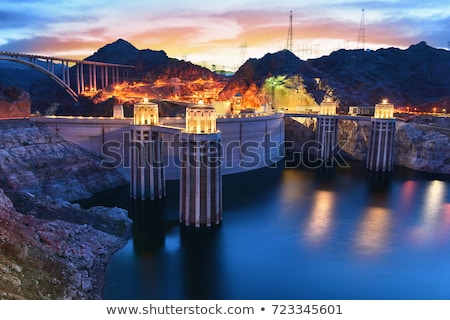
x=150 y=64
x=256 y=71
x=120 y=52
x=413 y=76
x=417 y=76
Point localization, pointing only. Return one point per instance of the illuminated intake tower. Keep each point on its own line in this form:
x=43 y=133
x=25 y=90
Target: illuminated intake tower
x=147 y=181
x=326 y=134
x=200 y=173
x=380 y=155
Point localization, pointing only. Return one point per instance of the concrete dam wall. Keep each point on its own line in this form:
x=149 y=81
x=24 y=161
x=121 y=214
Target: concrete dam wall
x=248 y=142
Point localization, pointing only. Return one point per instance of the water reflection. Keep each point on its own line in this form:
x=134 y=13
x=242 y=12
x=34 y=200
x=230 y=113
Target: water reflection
x=434 y=200
x=373 y=233
x=255 y=253
x=379 y=181
x=446 y=221
x=295 y=186
x=187 y=256
x=201 y=262
x=148 y=225
x=433 y=219
x=407 y=194
x=320 y=220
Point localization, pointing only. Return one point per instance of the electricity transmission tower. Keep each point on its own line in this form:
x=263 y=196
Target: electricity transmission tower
x=243 y=48
x=289 y=37
x=362 y=35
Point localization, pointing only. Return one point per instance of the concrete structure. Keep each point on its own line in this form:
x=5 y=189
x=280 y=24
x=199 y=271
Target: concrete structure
x=118 y=112
x=200 y=119
x=237 y=103
x=380 y=155
x=384 y=110
x=201 y=174
x=146 y=113
x=326 y=134
x=361 y=111
x=241 y=136
x=147 y=179
x=89 y=75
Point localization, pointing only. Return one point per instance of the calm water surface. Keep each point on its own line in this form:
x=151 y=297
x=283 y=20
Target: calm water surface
x=293 y=234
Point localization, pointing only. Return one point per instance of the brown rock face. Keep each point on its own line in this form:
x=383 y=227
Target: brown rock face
x=49 y=258
x=14 y=103
x=353 y=138
x=50 y=248
x=37 y=160
x=423 y=147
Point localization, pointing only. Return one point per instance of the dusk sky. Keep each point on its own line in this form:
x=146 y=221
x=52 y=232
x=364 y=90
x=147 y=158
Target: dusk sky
x=213 y=31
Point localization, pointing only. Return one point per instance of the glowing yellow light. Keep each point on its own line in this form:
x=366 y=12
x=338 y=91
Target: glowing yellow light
x=384 y=110
x=321 y=216
x=373 y=234
x=434 y=203
x=434 y=199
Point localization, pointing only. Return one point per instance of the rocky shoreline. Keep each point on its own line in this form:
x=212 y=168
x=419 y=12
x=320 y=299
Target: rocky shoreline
x=51 y=248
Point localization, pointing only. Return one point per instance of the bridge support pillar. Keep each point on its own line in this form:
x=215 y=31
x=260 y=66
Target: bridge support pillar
x=380 y=155
x=201 y=180
x=326 y=137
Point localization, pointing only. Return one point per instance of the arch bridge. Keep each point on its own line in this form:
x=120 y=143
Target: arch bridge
x=75 y=76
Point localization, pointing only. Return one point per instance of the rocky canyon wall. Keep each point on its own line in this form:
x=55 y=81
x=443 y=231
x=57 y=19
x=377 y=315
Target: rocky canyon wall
x=423 y=145
x=51 y=248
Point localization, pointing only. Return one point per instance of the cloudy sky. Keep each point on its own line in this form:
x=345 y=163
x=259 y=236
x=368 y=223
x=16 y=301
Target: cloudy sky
x=219 y=32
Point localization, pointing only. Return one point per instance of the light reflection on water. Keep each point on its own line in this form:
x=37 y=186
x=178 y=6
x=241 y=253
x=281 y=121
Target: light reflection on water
x=373 y=233
x=320 y=220
x=296 y=234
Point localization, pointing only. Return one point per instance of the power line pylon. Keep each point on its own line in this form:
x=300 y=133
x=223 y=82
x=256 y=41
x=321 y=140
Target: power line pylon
x=289 y=37
x=243 y=48
x=362 y=35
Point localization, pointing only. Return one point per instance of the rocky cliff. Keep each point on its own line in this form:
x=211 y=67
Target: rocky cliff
x=14 y=103
x=43 y=256
x=423 y=145
x=50 y=248
x=36 y=159
x=353 y=138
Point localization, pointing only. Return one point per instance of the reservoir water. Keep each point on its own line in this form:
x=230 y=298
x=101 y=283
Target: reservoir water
x=293 y=234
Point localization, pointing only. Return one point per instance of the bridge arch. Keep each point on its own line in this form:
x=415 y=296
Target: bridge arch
x=52 y=76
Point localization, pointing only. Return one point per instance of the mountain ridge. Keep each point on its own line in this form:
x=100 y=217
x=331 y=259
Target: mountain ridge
x=416 y=76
